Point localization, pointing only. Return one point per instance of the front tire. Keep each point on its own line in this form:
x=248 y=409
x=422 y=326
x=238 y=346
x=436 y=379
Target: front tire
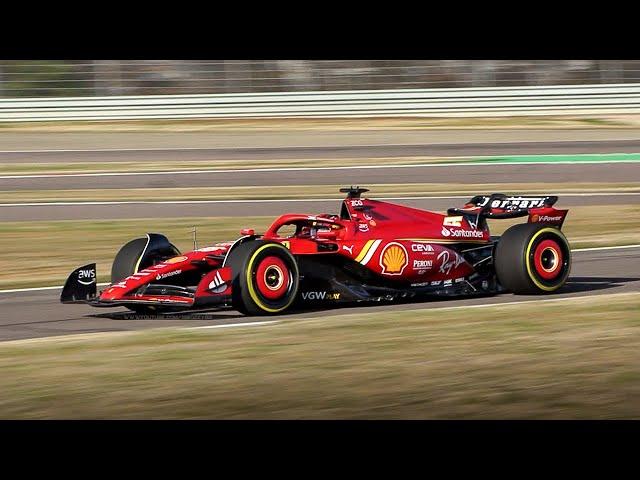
x=265 y=277
x=532 y=259
x=127 y=259
x=127 y=262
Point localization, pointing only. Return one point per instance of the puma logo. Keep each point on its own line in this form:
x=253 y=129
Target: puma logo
x=348 y=249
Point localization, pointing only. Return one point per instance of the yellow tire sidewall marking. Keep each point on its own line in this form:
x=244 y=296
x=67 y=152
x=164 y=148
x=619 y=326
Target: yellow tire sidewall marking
x=252 y=292
x=528 y=262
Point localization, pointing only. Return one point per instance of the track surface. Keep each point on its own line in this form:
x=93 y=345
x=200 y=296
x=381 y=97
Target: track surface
x=252 y=207
x=39 y=314
x=520 y=173
x=275 y=138
x=301 y=152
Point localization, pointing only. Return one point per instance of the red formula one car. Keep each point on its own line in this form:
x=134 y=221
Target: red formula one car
x=371 y=251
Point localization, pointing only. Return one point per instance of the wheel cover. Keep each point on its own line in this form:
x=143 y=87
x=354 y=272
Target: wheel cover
x=272 y=278
x=547 y=259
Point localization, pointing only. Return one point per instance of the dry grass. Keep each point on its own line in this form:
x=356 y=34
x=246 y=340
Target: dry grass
x=51 y=168
x=327 y=124
x=44 y=253
x=305 y=191
x=574 y=359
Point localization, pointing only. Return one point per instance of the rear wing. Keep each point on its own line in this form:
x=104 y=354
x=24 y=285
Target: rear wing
x=539 y=209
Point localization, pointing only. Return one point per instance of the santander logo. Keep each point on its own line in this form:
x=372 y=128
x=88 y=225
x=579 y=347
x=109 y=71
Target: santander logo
x=448 y=232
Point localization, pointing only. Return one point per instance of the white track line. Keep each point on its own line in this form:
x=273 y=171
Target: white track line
x=226 y=325
x=16 y=290
x=301 y=147
x=284 y=200
x=503 y=304
x=605 y=248
x=294 y=169
x=35 y=289
x=307 y=147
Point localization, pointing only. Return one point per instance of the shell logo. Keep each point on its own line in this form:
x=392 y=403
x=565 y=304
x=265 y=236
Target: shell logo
x=393 y=259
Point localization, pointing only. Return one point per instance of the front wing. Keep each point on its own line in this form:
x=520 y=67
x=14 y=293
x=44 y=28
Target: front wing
x=214 y=289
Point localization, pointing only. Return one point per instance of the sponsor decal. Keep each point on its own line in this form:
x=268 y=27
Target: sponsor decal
x=286 y=244
x=421 y=284
x=435 y=283
x=168 y=274
x=224 y=244
x=420 y=264
x=87 y=277
x=545 y=218
x=367 y=251
x=452 y=221
x=450 y=232
x=459 y=280
x=179 y=259
x=363 y=227
x=320 y=296
x=217 y=285
x=512 y=203
x=372 y=223
x=449 y=263
x=393 y=259
x=356 y=203
x=421 y=247
x=446 y=283
x=209 y=249
x=348 y=249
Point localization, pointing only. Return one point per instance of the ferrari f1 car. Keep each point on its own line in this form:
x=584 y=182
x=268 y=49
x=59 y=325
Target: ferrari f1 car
x=371 y=251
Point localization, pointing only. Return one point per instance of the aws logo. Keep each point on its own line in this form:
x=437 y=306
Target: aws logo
x=86 y=277
x=393 y=259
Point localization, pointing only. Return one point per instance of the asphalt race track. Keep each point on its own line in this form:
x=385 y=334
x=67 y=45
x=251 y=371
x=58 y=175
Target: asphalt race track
x=254 y=207
x=32 y=314
x=305 y=152
x=39 y=313
x=363 y=175
x=462 y=174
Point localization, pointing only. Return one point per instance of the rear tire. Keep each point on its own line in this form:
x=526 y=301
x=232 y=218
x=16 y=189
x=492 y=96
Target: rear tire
x=532 y=259
x=265 y=277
